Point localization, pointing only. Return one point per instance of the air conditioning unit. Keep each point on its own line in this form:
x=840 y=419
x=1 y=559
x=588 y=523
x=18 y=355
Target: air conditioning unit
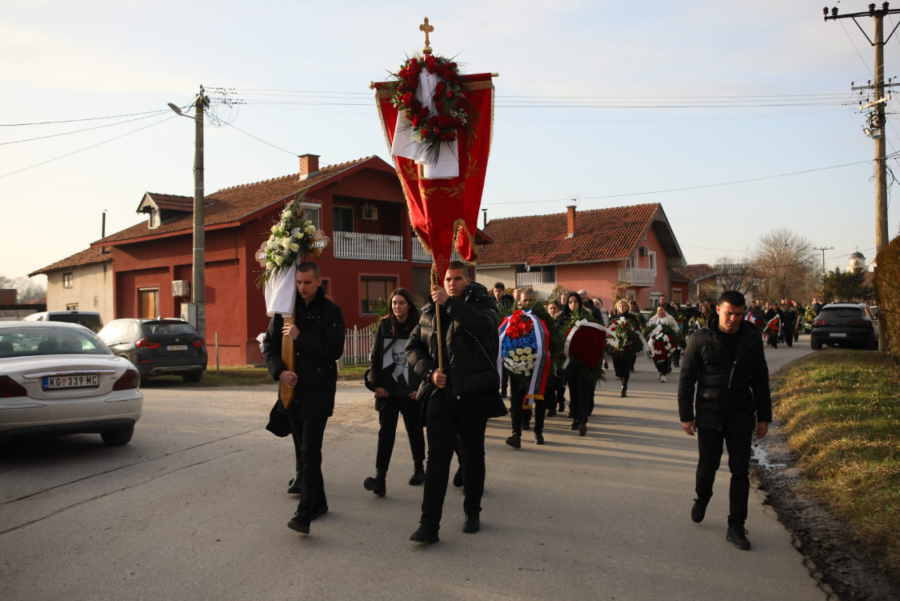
x=181 y=288
x=370 y=213
x=645 y=252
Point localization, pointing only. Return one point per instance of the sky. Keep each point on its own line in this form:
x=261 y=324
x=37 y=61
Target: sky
x=598 y=101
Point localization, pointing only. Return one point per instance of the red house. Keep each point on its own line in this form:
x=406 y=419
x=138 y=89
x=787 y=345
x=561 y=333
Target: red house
x=615 y=252
x=358 y=204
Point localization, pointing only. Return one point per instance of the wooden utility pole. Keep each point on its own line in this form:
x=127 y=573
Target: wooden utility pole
x=823 y=249
x=198 y=272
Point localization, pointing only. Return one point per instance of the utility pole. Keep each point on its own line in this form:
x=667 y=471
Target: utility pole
x=198 y=272
x=823 y=249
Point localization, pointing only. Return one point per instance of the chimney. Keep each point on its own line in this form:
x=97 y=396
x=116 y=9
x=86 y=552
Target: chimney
x=309 y=165
x=570 y=221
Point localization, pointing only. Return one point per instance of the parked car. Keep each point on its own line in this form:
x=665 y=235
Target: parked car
x=844 y=324
x=158 y=346
x=60 y=378
x=89 y=319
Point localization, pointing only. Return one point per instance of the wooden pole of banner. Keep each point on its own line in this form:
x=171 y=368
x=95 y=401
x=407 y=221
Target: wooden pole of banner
x=437 y=313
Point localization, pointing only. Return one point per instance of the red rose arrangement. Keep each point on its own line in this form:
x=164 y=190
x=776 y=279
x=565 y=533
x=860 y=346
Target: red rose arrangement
x=586 y=345
x=662 y=342
x=772 y=327
x=448 y=98
x=625 y=342
x=519 y=327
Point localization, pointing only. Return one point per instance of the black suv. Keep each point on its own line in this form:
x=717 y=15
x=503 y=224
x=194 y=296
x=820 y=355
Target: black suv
x=158 y=347
x=844 y=324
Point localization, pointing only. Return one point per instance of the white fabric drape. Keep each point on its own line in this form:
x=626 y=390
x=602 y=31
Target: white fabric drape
x=281 y=292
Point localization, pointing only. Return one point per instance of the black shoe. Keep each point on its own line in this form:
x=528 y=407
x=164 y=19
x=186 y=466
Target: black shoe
x=300 y=522
x=526 y=426
x=473 y=523
x=295 y=485
x=427 y=534
x=698 y=511
x=418 y=476
x=376 y=484
x=582 y=429
x=503 y=394
x=624 y=392
x=551 y=412
x=538 y=439
x=737 y=536
x=515 y=441
x=457 y=478
x=574 y=426
x=318 y=512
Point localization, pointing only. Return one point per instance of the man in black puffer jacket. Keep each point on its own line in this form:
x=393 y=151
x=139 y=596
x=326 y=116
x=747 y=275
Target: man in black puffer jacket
x=726 y=363
x=462 y=397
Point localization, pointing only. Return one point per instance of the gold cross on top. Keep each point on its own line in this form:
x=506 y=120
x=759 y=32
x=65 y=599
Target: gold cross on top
x=427 y=29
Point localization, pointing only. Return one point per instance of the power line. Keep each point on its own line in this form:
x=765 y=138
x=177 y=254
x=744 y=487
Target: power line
x=647 y=193
x=261 y=140
x=76 y=120
x=87 y=147
x=154 y=114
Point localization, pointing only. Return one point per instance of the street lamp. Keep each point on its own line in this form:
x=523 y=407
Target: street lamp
x=198 y=271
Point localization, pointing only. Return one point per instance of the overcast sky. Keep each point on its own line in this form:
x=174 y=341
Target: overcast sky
x=74 y=60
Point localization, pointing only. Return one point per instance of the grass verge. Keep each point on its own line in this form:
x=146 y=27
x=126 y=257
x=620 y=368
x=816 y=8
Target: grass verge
x=841 y=414
x=241 y=376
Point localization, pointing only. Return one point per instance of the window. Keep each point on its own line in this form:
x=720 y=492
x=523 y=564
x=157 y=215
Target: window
x=72 y=307
x=343 y=219
x=373 y=291
x=67 y=280
x=311 y=211
x=154 y=219
x=96 y=301
x=676 y=295
x=652 y=257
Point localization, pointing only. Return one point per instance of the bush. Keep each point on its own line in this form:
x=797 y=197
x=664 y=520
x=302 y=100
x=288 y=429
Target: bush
x=887 y=293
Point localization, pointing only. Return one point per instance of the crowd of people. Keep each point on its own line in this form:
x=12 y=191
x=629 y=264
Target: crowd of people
x=440 y=369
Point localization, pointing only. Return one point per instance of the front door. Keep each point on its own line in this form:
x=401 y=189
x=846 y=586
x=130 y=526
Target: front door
x=148 y=304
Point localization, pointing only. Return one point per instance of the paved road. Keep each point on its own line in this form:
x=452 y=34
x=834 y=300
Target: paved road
x=195 y=508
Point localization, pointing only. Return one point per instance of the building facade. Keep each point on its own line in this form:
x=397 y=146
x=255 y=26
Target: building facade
x=82 y=282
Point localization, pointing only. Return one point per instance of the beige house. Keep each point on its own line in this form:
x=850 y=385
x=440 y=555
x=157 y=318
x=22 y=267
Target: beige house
x=82 y=282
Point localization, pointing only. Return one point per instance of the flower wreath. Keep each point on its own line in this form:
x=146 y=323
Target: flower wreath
x=624 y=341
x=291 y=237
x=448 y=97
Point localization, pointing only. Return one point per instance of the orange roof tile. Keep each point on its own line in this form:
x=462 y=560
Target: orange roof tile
x=601 y=235
x=91 y=256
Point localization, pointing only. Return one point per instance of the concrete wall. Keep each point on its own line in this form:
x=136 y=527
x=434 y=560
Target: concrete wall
x=488 y=276
x=92 y=290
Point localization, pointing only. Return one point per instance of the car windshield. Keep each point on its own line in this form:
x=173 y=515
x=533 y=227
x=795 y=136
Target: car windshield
x=168 y=328
x=29 y=341
x=92 y=322
x=841 y=313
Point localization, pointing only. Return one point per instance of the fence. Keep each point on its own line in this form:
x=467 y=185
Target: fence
x=374 y=247
x=534 y=278
x=357 y=347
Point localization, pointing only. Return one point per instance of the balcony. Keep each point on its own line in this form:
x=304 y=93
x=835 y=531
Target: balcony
x=636 y=276
x=420 y=256
x=525 y=280
x=368 y=247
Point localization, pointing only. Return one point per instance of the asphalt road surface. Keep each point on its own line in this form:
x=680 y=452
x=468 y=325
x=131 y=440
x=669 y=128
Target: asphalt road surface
x=195 y=507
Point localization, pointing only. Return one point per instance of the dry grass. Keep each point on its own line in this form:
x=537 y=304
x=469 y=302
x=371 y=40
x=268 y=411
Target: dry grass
x=841 y=414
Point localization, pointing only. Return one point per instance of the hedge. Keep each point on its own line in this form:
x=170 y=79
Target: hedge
x=887 y=292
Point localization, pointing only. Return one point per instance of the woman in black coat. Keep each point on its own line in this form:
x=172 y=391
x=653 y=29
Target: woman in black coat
x=623 y=365
x=581 y=387
x=396 y=387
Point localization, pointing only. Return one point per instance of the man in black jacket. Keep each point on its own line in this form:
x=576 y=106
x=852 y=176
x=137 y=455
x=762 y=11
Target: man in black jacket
x=461 y=397
x=318 y=332
x=726 y=363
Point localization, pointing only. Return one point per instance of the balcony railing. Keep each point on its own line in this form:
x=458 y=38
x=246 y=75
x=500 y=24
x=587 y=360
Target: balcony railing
x=534 y=278
x=420 y=256
x=637 y=276
x=368 y=247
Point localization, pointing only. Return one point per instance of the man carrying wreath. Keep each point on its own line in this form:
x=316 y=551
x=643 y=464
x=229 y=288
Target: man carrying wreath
x=318 y=332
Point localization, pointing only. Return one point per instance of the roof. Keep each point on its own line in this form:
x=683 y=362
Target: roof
x=169 y=202
x=695 y=272
x=600 y=235
x=230 y=206
x=92 y=256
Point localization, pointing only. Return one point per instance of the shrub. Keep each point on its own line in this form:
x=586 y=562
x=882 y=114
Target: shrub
x=887 y=293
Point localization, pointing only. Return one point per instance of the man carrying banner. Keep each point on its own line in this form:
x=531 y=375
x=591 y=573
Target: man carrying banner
x=318 y=332
x=460 y=398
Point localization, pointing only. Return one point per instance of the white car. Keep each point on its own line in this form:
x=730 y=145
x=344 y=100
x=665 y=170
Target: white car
x=60 y=378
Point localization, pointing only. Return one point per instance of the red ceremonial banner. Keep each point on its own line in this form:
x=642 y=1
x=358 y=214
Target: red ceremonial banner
x=444 y=212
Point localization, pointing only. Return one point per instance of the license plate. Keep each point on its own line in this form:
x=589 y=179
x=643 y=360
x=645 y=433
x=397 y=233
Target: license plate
x=176 y=347
x=838 y=334
x=60 y=382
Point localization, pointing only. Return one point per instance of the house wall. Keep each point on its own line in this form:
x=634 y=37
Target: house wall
x=92 y=290
x=598 y=279
x=682 y=289
x=488 y=276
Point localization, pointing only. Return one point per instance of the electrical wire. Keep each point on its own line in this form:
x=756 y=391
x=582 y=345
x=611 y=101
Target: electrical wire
x=686 y=188
x=88 y=147
x=76 y=120
x=150 y=116
x=232 y=125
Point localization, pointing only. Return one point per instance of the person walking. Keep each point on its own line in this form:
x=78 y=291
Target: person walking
x=318 y=332
x=461 y=396
x=556 y=384
x=624 y=362
x=723 y=397
x=664 y=368
x=581 y=387
x=396 y=387
x=773 y=320
x=788 y=323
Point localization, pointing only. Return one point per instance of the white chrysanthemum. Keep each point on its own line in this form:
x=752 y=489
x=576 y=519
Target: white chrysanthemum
x=527 y=350
x=512 y=353
x=298 y=234
x=295 y=247
x=279 y=260
x=274 y=229
x=286 y=243
x=271 y=243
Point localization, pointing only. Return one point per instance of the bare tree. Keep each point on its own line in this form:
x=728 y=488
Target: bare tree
x=27 y=290
x=736 y=275
x=786 y=264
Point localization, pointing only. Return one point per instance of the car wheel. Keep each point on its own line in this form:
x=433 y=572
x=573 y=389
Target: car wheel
x=118 y=437
x=193 y=376
x=815 y=345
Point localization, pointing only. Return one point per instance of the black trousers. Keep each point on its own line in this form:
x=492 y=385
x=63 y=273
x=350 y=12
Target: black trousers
x=520 y=415
x=452 y=423
x=581 y=396
x=310 y=431
x=388 y=417
x=788 y=335
x=504 y=382
x=623 y=368
x=664 y=367
x=738 y=443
